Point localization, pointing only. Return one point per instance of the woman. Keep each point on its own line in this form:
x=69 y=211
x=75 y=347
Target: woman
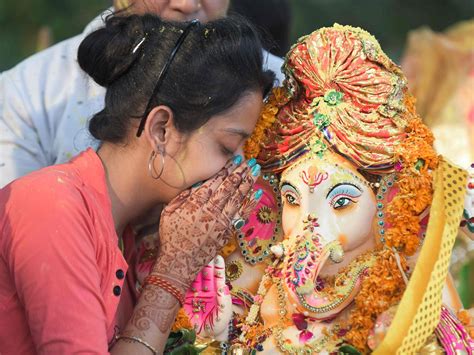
x=181 y=98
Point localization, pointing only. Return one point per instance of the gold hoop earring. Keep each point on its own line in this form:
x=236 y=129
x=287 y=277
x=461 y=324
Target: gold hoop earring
x=151 y=165
x=182 y=175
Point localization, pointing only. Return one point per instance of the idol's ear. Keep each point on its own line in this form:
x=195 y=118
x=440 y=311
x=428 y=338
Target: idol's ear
x=263 y=227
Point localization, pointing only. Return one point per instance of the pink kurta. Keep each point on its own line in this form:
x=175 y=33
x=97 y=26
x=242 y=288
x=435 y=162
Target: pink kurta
x=61 y=271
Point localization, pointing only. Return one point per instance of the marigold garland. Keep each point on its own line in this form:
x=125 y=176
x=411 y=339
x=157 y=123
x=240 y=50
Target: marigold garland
x=385 y=285
x=382 y=288
x=417 y=159
x=254 y=334
x=277 y=98
x=467 y=320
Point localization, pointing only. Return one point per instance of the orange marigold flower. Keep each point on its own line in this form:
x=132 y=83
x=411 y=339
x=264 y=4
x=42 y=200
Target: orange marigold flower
x=182 y=321
x=276 y=100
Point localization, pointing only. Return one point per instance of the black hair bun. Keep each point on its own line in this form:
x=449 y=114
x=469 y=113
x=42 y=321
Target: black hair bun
x=108 y=52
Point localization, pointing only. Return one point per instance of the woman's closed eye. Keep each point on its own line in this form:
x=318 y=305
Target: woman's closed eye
x=227 y=151
x=231 y=140
x=343 y=195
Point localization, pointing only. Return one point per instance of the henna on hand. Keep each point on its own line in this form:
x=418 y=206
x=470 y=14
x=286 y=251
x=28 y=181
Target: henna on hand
x=197 y=224
x=155 y=311
x=193 y=228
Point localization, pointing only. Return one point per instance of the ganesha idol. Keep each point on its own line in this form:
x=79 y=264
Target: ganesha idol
x=349 y=246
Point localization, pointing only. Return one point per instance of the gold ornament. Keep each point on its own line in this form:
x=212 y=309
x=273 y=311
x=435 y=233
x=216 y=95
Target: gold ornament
x=233 y=270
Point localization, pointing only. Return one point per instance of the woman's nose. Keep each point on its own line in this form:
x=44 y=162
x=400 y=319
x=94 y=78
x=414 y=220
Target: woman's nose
x=186 y=7
x=240 y=151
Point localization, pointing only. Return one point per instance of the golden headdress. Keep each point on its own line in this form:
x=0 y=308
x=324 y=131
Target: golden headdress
x=345 y=94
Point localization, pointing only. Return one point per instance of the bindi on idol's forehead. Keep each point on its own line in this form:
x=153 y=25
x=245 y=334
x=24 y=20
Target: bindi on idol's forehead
x=312 y=177
x=314 y=171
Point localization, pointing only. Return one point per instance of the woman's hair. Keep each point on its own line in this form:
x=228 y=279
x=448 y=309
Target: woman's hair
x=217 y=64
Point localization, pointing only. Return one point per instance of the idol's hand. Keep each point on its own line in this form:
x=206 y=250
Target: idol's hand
x=209 y=303
x=380 y=330
x=197 y=224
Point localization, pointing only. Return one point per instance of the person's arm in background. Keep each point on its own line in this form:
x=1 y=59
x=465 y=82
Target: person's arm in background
x=20 y=146
x=45 y=104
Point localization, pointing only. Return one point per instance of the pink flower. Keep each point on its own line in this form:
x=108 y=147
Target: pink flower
x=299 y=320
x=305 y=336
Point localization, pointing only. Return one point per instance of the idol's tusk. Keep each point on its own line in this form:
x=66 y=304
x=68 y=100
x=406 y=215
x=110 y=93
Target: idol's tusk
x=278 y=250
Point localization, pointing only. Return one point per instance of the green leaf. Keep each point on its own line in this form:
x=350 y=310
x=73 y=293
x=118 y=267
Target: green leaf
x=182 y=343
x=333 y=97
x=321 y=121
x=419 y=164
x=348 y=349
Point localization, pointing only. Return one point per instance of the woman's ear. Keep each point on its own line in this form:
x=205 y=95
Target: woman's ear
x=159 y=126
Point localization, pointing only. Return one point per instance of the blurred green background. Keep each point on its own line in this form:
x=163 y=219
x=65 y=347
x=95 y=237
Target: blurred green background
x=27 y=26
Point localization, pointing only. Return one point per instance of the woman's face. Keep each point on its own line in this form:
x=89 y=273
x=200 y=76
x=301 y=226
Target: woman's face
x=199 y=155
x=182 y=10
x=332 y=191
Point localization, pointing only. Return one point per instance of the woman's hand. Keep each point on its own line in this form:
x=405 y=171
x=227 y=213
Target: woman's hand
x=197 y=223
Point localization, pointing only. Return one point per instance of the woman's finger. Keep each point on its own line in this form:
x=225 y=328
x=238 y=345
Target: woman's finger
x=228 y=187
x=236 y=181
x=236 y=200
x=177 y=202
x=202 y=192
x=249 y=203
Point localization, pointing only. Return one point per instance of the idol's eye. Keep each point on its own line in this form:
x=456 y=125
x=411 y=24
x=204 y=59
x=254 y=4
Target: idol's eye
x=343 y=195
x=290 y=194
x=291 y=199
x=342 y=202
